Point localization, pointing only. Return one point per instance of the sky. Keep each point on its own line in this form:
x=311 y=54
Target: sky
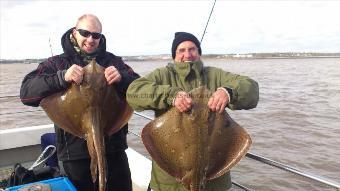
x=29 y=27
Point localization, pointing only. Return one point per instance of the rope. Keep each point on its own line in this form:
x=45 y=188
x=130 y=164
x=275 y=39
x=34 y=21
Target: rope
x=41 y=158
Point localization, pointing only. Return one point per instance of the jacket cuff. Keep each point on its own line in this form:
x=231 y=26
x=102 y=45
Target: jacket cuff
x=122 y=85
x=61 y=78
x=231 y=94
x=172 y=94
x=126 y=80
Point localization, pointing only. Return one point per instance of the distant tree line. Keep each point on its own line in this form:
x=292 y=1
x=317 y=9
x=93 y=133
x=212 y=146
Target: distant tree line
x=217 y=56
x=20 y=61
x=273 y=55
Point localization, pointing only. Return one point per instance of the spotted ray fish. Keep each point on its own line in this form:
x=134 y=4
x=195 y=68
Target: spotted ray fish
x=90 y=111
x=195 y=146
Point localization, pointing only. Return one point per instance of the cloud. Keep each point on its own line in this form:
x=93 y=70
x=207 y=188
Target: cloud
x=147 y=27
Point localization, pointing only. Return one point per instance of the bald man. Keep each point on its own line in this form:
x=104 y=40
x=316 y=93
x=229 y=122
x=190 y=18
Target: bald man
x=81 y=44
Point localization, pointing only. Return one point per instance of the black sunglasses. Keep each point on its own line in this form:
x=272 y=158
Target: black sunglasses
x=86 y=33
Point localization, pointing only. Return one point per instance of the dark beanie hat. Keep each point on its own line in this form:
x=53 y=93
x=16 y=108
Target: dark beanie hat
x=181 y=37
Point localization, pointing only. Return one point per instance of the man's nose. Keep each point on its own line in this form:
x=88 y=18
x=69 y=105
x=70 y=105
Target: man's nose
x=90 y=38
x=187 y=54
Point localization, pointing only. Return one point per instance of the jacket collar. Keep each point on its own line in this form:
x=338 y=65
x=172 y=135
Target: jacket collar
x=184 y=68
x=69 y=48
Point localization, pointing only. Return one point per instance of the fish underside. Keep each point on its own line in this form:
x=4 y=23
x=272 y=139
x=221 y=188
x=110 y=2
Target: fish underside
x=198 y=145
x=91 y=110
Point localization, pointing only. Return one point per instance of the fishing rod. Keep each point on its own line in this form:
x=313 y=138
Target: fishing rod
x=249 y=155
x=205 y=29
x=263 y=159
x=49 y=41
x=206 y=26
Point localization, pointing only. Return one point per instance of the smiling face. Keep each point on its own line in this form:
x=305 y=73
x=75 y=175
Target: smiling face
x=91 y=24
x=187 y=51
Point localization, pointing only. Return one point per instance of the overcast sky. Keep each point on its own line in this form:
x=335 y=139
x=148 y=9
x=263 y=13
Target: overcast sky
x=148 y=27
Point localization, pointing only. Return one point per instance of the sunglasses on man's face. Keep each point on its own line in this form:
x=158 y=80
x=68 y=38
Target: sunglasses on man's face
x=86 y=33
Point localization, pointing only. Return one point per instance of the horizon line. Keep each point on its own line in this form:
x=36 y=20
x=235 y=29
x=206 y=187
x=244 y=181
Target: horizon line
x=208 y=54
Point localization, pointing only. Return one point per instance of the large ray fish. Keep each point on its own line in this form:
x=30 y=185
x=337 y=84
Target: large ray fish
x=195 y=146
x=90 y=111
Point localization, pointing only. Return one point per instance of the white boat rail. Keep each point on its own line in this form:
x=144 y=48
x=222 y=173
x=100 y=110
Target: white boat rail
x=25 y=138
x=277 y=165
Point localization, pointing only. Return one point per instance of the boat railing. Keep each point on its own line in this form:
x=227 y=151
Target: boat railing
x=274 y=164
x=250 y=155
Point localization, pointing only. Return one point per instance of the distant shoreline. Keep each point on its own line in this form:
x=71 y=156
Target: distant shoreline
x=249 y=56
x=292 y=57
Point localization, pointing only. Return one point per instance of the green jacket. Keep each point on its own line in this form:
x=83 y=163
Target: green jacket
x=157 y=90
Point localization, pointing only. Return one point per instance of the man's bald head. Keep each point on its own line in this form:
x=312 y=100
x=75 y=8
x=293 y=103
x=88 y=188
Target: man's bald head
x=89 y=19
x=87 y=33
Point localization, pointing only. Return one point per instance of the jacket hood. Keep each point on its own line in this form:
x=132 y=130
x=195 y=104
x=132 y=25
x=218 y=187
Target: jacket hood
x=69 y=49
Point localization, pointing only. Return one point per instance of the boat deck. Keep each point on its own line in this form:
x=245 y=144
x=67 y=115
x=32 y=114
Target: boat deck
x=27 y=140
x=140 y=181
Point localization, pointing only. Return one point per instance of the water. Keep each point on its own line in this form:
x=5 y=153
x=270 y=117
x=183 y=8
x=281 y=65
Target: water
x=296 y=122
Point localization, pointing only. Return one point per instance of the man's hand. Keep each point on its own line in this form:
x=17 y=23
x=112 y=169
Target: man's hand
x=75 y=73
x=112 y=75
x=218 y=101
x=183 y=101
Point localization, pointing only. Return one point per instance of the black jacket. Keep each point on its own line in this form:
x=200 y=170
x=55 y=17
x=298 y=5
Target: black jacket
x=48 y=79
